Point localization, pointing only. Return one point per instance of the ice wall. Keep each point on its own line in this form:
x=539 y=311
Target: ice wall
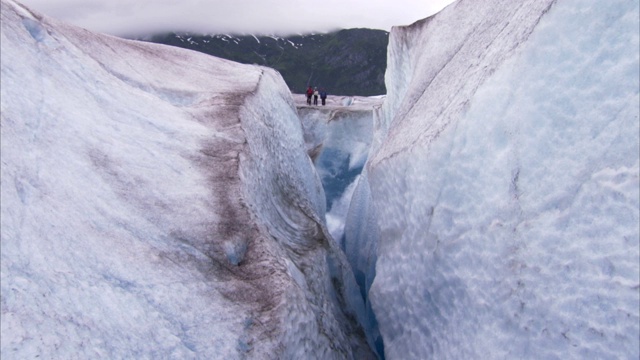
x=502 y=191
x=338 y=138
x=159 y=203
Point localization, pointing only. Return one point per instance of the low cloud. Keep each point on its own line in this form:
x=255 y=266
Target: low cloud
x=141 y=17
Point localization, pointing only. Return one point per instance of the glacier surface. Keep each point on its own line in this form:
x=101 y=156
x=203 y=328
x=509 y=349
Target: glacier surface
x=159 y=203
x=498 y=213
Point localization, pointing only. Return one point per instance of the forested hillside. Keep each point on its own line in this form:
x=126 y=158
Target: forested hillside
x=345 y=62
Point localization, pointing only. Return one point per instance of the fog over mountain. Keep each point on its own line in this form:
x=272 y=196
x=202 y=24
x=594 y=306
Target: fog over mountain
x=281 y=17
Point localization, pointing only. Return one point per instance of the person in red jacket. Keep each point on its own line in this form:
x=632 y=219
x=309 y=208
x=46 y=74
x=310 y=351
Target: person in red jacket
x=309 y=94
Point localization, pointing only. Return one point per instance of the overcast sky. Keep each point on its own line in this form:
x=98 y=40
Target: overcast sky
x=141 y=17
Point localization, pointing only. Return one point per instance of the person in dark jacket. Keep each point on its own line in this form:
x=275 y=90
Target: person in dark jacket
x=309 y=94
x=323 y=96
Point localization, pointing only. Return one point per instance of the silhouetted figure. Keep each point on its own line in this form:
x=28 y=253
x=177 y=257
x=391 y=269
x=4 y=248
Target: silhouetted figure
x=309 y=94
x=323 y=96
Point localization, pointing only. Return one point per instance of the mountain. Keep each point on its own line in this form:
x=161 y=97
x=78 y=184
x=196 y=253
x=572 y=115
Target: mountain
x=345 y=62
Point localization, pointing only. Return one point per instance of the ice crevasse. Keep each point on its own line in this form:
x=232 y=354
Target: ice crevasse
x=497 y=214
x=159 y=203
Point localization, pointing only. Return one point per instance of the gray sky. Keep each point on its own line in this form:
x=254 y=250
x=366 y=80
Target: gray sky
x=140 y=17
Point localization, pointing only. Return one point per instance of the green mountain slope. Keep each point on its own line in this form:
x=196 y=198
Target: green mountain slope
x=345 y=62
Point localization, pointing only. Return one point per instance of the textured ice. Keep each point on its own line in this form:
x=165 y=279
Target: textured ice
x=159 y=203
x=501 y=196
x=338 y=138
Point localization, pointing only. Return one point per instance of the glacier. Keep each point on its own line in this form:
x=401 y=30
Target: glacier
x=497 y=215
x=159 y=203
x=338 y=137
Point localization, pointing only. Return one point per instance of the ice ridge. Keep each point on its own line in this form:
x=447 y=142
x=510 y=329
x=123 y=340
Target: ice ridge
x=497 y=215
x=159 y=203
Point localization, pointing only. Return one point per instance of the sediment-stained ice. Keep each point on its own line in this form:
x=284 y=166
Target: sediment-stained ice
x=159 y=203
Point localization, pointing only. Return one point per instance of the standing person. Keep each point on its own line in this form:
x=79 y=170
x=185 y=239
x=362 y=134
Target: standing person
x=323 y=96
x=309 y=94
x=315 y=96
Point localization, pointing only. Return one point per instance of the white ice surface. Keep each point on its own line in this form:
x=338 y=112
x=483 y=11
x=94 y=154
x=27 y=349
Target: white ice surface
x=146 y=213
x=502 y=197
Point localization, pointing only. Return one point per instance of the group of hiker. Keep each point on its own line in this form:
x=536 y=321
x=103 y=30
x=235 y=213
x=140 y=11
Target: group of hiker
x=313 y=92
